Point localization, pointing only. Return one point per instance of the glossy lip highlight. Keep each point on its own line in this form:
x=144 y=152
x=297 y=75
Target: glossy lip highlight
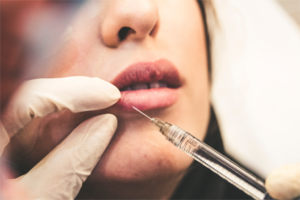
x=147 y=72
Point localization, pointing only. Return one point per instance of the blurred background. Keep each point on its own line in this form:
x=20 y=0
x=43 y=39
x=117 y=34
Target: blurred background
x=256 y=81
x=292 y=7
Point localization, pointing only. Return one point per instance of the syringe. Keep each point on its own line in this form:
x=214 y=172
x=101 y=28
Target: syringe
x=212 y=159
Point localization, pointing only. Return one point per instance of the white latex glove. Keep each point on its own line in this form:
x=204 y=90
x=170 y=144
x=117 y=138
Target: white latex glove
x=284 y=182
x=61 y=173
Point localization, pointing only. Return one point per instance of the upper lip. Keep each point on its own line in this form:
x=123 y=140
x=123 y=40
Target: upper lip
x=146 y=72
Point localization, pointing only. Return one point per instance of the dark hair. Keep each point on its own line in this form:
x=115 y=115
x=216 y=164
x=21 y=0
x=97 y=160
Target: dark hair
x=207 y=38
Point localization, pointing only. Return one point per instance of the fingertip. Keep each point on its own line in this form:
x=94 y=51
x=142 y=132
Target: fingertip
x=105 y=125
x=112 y=93
x=271 y=187
x=109 y=119
x=284 y=182
x=115 y=93
x=90 y=93
x=110 y=87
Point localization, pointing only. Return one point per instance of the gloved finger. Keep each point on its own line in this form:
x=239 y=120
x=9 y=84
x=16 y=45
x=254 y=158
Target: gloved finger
x=39 y=97
x=4 y=138
x=284 y=182
x=61 y=173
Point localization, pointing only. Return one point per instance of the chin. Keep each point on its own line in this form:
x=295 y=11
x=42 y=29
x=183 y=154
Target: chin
x=139 y=153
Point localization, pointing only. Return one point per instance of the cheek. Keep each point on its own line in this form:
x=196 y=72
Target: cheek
x=72 y=59
x=65 y=62
x=189 y=49
x=183 y=36
x=181 y=30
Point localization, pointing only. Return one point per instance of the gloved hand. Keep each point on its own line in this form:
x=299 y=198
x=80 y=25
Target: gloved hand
x=61 y=173
x=284 y=182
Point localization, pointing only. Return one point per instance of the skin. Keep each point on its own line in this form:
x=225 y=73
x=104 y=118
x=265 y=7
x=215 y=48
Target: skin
x=139 y=162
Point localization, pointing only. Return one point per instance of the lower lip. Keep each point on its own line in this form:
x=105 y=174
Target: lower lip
x=147 y=99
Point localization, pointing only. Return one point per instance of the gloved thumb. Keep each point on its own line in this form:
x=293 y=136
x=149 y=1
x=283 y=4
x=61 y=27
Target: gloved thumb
x=284 y=182
x=40 y=97
x=61 y=173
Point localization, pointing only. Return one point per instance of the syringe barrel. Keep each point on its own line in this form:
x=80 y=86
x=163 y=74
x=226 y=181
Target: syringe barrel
x=215 y=161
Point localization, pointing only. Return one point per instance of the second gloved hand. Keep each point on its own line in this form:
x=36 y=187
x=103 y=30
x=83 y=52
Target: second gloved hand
x=284 y=182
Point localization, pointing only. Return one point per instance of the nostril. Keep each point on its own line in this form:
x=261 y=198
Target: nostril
x=124 y=32
x=154 y=30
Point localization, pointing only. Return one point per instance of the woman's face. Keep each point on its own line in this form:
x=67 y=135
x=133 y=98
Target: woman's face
x=135 y=44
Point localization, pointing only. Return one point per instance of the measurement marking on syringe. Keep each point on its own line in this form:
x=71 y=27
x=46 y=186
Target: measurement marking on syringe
x=230 y=176
x=189 y=146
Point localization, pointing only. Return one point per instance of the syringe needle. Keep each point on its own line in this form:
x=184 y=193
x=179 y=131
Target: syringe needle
x=142 y=113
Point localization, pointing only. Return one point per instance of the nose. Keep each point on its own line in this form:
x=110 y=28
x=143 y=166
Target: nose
x=129 y=20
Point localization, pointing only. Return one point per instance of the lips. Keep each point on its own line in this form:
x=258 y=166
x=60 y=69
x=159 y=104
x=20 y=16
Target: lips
x=148 y=85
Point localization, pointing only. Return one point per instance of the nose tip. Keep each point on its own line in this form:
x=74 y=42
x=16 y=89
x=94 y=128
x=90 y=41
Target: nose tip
x=129 y=20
